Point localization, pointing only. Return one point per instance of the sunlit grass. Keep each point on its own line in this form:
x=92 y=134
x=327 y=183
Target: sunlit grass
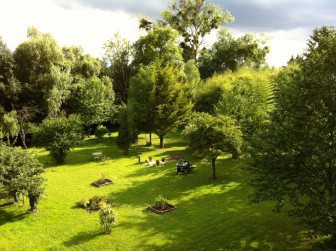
x=210 y=215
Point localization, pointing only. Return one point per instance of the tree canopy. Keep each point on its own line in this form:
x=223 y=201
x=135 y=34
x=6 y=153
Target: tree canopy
x=230 y=53
x=59 y=135
x=20 y=174
x=194 y=19
x=210 y=137
x=293 y=160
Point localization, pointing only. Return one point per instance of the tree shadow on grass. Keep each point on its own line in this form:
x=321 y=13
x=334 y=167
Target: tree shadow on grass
x=217 y=221
x=81 y=237
x=6 y=217
x=210 y=215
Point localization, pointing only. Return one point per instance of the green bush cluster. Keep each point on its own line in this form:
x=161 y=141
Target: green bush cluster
x=100 y=132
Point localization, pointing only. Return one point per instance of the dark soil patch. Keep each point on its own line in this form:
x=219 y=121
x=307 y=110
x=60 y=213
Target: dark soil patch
x=102 y=182
x=162 y=210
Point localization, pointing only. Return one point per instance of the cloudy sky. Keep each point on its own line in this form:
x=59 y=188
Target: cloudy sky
x=90 y=23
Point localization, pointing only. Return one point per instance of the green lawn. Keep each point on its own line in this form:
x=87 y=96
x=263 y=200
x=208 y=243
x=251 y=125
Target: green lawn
x=210 y=215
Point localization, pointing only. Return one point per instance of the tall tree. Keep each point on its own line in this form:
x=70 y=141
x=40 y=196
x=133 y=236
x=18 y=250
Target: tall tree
x=93 y=99
x=9 y=87
x=210 y=137
x=159 y=44
x=140 y=102
x=248 y=100
x=169 y=100
x=127 y=134
x=91 y=92
x=157 y=99
x=294 y=159
x=194 y=19
x=117 y=61
x=229 y=53
x=42 y=74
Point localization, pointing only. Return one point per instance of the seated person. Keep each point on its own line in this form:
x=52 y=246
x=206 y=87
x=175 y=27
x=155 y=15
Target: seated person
x=150 y=162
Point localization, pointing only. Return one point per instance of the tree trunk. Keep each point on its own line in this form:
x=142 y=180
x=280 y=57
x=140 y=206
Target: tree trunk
x=16 y=197
x=23 y=137
x=161 y=141
x=235 y=155
x=150 y=138
x=126 y=150
x=213 y=162
x=32 y=203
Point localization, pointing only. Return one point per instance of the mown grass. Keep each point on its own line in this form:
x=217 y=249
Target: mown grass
x=210 y=215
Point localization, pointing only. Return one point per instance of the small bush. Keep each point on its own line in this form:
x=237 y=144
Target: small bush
x=107 y=218
x=100 y=132
x=94 y=204
x=161 y=202
x=83 y=203
x=97 y=202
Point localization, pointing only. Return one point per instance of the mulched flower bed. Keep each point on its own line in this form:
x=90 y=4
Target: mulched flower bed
x=102 y=182
x=160 y=210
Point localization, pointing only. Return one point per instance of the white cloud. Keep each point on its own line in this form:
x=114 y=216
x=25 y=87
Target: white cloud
x=85 y=27
x=91 y=28
x=285 y=44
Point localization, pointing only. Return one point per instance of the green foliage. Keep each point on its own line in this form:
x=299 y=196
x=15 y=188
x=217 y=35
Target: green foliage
x=245 y=95
x=210 y=93
x=117 y=60
x=161 y=202
x=9 y=87
x=159 y=44
x=127 y=133
x=82 y=65
x=210 y=137
x=83 y=203
x=194 y=19
x=140 y=102
x=96 y=203
x=192 y=78
x=107 y=219
x=157 y=99
x=249 y=99
x=293 y=160
x=228 y=53
x=59 y=136
x=92 y=98
x=169 y=99
x=20 y=174
x=100 y=132
x=43 y=77
x=9 y=125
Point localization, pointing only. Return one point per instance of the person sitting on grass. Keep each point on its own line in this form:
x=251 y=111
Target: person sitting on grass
x=150 y=161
